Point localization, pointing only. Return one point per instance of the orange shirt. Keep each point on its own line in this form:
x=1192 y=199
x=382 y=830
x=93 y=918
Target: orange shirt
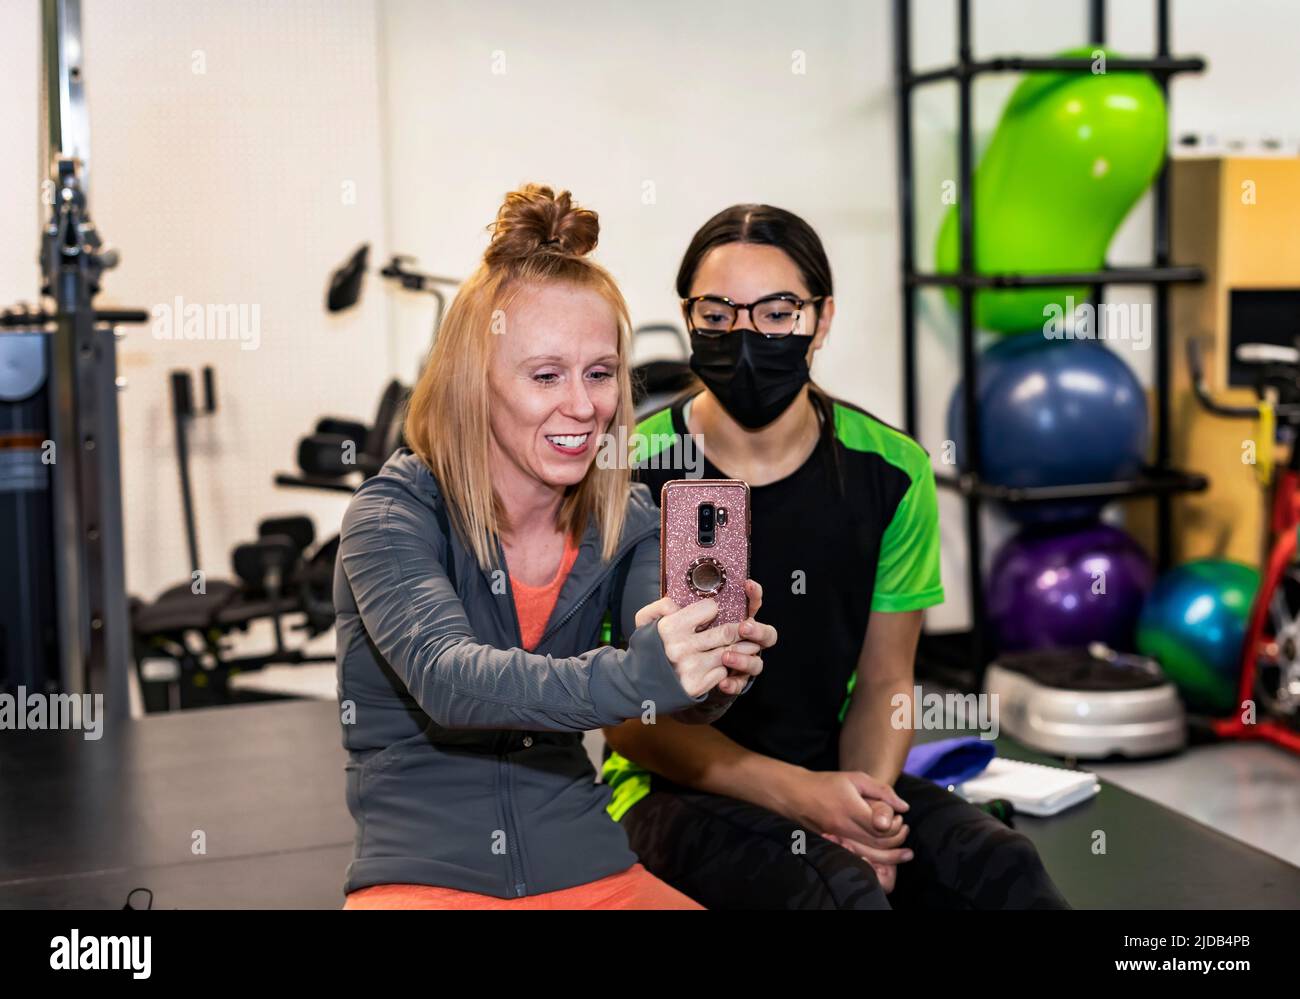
x=534 y=604
x=635 y=888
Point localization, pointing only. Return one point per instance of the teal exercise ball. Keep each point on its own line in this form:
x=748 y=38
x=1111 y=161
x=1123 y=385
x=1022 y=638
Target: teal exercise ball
x=1194 y=624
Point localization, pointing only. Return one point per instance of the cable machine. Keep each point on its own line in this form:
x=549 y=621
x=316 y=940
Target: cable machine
x=65 y=626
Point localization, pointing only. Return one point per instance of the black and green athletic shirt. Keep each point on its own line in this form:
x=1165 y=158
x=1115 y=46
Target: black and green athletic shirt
x=853 y=530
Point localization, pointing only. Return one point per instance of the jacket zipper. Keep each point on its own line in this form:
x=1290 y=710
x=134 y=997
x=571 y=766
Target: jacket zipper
x=592 y=588
x=513 y=860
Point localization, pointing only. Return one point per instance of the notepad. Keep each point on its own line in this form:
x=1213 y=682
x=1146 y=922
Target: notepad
x=1033 y=788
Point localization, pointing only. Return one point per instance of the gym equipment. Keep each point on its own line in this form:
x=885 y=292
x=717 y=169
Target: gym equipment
x=183 y=414
x=337 y=457
x=29 y=642
x=1054 y=413
x=1238 y=216
x=180 y=638
x=1267 y=703
x=1071 y=155
x=1088 y=703
x=656 y=383
x=346 y=283
x=959 y=657
x=1052 y=589
x=64 y=623
x=1194 y=623
x=340 y=449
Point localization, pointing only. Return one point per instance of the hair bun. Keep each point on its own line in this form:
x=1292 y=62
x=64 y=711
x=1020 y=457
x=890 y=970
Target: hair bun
x=534 y=219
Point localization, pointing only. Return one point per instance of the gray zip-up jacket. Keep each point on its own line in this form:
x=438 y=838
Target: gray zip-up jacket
x=466 y=766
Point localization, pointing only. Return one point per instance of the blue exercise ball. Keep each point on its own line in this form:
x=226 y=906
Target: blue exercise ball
x=1054 y=413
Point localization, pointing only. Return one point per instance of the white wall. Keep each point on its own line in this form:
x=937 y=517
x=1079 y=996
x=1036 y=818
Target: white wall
x=698 y=100
x=20 y=169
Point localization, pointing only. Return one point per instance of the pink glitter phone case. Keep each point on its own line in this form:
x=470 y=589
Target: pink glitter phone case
x=702 y=557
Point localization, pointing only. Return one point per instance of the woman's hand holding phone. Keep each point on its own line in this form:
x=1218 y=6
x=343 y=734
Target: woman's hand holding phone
x=725 y=656
x=752 y=633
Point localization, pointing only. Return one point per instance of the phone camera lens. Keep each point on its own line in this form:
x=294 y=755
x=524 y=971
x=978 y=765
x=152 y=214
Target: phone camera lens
x=704 y=520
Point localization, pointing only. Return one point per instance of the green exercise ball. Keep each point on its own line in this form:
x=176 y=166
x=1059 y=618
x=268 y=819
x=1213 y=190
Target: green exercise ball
x=1071 y=155
x=1194 y=624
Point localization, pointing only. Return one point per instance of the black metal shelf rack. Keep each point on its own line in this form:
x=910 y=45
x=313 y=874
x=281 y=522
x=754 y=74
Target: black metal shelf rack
x=960 y=658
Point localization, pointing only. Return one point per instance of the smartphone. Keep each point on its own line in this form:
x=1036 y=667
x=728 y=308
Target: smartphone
x=704 y=544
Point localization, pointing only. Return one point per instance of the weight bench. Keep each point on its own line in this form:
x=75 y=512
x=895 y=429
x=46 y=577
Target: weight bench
x=182 y=637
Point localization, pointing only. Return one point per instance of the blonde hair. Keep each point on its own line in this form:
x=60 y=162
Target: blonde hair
x=539 y=237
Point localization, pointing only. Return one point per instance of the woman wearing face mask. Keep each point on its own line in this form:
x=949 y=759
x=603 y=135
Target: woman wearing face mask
x=473 y=576
x=795 y=798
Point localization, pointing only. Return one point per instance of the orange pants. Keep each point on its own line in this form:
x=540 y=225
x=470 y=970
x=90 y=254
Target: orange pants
x=635 y=888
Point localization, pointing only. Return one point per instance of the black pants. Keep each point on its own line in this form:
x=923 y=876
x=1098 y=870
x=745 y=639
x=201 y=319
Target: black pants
x=729 y=854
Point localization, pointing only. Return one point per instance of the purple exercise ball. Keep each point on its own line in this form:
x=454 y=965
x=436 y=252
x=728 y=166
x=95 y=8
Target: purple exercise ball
x=1053 y=588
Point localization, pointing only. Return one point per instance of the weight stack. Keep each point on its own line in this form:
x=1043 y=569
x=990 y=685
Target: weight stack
x=28 y=609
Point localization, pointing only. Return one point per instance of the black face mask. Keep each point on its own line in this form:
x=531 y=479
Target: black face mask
x=755 y=378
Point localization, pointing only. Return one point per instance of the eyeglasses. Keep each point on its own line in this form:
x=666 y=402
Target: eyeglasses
x=773 y=316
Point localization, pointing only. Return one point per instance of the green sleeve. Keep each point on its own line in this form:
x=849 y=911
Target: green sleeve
x=907 y=572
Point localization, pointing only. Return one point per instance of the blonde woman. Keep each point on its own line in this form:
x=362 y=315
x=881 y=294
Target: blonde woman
x=474 y=574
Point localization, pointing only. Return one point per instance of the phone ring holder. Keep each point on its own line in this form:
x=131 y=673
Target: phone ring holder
x=706 y=576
